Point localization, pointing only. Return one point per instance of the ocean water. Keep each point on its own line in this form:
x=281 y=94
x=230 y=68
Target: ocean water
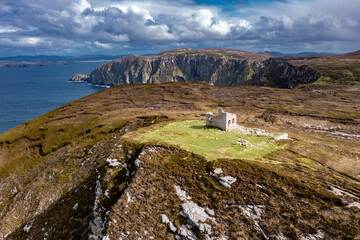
x=28 y=92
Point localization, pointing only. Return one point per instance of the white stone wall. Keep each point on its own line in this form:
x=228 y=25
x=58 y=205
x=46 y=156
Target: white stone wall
x=223 y=120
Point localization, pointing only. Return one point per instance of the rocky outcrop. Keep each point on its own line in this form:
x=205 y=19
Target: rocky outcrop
x=216 y=66
x=78 y=78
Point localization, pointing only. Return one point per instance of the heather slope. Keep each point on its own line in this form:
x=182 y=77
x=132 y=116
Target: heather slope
x=81 y=170
x=338 y=69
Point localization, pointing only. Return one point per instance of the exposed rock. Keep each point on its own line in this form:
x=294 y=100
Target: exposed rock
x=254 y=212
x=207 y=237
x=78 y=78
x=227 y=181
x=181 y=193
x=137 y=162
x=250 y=131
x=319 y=235
x=243 y=142
x=113 y=162
x=260 y=132
x=128 y=197
x=216 y=172
x=165 y=220
x=97 y=224
x=210 y=211
x=76 y=206
x=185 y=233
x=196 y=215
x=28 y=226
x=354 y=204
x=283 y=136
x=14 y=190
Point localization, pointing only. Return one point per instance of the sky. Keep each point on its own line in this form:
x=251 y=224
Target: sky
x=115 y=27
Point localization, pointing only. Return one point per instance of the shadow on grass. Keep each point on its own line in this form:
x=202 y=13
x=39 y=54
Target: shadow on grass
x=203 y=127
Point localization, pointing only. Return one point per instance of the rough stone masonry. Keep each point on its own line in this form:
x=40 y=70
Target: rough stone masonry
x=223 y=120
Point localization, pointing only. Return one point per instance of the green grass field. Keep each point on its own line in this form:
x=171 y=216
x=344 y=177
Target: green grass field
x=211 y=143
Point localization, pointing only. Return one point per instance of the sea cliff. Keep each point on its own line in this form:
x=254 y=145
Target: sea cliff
x=219 y=67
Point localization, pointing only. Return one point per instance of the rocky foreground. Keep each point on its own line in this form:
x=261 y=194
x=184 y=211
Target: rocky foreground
x=80 y=171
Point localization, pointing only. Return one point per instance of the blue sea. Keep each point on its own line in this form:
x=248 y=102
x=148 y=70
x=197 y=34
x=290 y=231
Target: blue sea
x=28 y=92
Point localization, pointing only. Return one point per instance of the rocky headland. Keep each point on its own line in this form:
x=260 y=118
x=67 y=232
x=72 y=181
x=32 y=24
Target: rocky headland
x=218 y=67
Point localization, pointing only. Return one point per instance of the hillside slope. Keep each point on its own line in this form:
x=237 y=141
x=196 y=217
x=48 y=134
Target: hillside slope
x=219 y=67
x=93 y=169
x=339 y=68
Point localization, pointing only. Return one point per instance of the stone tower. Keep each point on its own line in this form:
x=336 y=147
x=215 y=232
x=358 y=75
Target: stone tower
x=223 y=120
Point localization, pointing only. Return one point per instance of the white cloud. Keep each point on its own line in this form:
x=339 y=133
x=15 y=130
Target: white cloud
x=149 y=24
x=8 y=29
x=120 y=38
x=79 y=6
x=25 y=42
x=103 y=45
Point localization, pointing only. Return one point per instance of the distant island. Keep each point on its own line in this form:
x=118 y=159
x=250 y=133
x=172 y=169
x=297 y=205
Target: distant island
x=10 y=64
x=44 y=60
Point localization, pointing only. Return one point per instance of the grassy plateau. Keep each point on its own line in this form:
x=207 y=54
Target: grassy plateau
x=211 y=143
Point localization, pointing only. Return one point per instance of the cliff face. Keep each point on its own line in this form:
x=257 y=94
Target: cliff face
x=212 y=66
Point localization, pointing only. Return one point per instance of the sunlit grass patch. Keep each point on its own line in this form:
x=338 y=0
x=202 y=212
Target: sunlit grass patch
x=210 y=142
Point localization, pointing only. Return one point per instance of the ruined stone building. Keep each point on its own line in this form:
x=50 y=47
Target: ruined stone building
x=223 y=120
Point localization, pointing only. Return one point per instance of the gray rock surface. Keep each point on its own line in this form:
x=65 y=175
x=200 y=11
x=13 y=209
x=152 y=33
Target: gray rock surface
x=14 y=190
x=217 y=171
x=197 y=216
x=113 y=162
x=78 y=78
x=254 y=212
x=283 y=136
x=185 y=233
x=181 y=193
x=227 y=181
x=165 y=220
x=243 y=142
